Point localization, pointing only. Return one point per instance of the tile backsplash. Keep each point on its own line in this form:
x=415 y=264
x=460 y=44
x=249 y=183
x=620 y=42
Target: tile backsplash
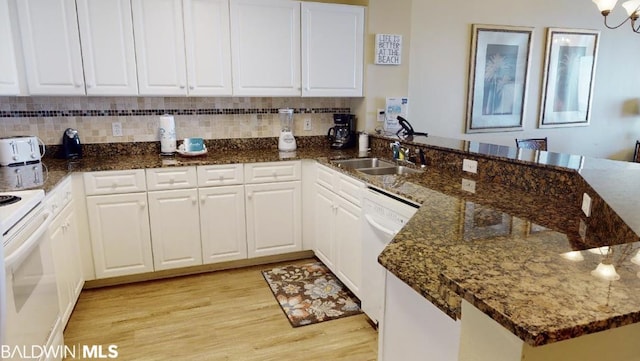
x=209 y=118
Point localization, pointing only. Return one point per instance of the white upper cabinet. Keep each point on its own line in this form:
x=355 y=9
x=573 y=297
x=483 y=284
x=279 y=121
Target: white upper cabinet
x=10 y=75
x=182 y=47
x=108 y=53
x=208 y=47
x=332 y=50
x=51 y=45
x=159 y=39
x=265 y=46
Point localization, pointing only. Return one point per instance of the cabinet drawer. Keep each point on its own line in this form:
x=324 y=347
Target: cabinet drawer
x=59 y=197
x=325 y=176
x=171 y=178
x=218 y=175
x=111 y=182
x=272 y=172
x=65 y=193
x=349 y=189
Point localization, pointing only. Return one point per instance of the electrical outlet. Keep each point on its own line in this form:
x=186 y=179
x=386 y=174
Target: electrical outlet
x=586 y=204
x=470 y=166
x=307 y=124
x=380 y=115
x=468 y=185
x=116 y=129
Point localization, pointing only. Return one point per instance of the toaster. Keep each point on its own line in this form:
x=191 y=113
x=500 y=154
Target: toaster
x=20 y=150
x=22 y=176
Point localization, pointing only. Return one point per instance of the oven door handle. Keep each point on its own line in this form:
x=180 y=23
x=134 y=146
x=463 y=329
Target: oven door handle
x=379 y=227
x=15 y=258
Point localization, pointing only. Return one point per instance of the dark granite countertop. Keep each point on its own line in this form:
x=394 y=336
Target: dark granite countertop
x=506 y=250
x=57 y=169
x=524 y=259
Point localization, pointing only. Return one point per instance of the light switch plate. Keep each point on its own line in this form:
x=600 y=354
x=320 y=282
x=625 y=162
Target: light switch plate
x=380 y=115
x=468 y=185
x=586 y=204
x=470 y=166
x=307 y=124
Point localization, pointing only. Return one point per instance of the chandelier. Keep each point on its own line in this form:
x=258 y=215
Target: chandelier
x=633 y=12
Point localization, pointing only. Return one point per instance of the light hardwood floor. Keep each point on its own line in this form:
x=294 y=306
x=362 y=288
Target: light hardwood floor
x=225 y=315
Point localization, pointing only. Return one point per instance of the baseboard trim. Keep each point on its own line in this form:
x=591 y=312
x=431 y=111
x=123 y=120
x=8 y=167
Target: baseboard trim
x=150 y=276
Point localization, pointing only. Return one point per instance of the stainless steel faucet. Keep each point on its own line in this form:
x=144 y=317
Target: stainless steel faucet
x=402 y=154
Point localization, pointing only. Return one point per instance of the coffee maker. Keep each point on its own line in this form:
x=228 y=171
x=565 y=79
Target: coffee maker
x=343 y=133
x=71 y=147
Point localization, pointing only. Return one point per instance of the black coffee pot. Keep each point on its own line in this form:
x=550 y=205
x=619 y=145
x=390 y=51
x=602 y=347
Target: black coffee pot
x=343 y=133
x=71 y=147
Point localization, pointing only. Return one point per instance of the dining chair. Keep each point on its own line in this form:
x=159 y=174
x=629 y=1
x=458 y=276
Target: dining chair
x=636 y=153
x=532 y=143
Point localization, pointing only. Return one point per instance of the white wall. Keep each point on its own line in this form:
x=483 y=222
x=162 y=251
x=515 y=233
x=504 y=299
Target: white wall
x=438 y=75
x=381 y=81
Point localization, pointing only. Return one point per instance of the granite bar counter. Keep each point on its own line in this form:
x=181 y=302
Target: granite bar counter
x=526 y=260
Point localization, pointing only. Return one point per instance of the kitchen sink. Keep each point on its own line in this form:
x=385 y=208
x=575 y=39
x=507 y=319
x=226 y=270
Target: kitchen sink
x=358 y=163
x=374 y=166
x=400 y=170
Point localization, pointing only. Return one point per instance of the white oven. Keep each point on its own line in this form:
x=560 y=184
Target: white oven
x=31 y=322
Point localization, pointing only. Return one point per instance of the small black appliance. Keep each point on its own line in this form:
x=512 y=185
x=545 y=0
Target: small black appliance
x=343 y=133
x=407 y=130
x=71 y=147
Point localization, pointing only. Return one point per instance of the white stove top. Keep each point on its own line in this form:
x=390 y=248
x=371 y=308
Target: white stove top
x=11 y=214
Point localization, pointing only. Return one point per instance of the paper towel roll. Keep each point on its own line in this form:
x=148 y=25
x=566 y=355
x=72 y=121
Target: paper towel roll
x=167 y=134
x=363 y=142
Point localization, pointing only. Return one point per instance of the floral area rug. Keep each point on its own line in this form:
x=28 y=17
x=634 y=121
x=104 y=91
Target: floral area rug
x=310 y=293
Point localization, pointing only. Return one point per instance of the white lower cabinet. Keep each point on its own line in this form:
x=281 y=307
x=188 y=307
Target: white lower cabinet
x=337 y=235
x=348 y=244
x=324 y=213
x=66 y=255
x=222 y=223
x=273 y=218
x=120 y=234
x=338 y=242
x=174 y=217
x=175 y=228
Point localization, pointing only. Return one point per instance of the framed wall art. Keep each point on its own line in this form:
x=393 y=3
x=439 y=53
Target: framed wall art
x=569 y=70
x=498 y=75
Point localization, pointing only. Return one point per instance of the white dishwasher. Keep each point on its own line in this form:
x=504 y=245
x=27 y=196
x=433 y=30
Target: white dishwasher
x=384 y=215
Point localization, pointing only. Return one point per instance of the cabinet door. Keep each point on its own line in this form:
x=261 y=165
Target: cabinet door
x=120 y=235
x=175 y=228
x=273 y=218
x=66 y=256
x=222 y=223
x=265 y=43
x=59 y=250
x=208 y=47
x=159 y=42
x=348 y=244
x=51 y=45
x=324 y=226
x=9 y=76
x=76 y=275
x=332 y=50
x=108 y=53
